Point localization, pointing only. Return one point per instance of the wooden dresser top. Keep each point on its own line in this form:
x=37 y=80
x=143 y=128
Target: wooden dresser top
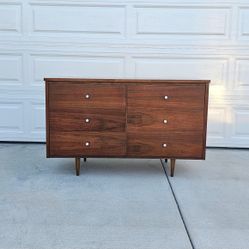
x=129 y=81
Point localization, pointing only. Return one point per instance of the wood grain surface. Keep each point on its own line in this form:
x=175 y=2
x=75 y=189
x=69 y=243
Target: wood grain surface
x=165 y=119
x=178 y=145
x=126 y=118
x=72 y=97
x=89 y=120
x=73 y=144
x=153 y=96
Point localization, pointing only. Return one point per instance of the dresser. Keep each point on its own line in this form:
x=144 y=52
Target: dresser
x=164 y=119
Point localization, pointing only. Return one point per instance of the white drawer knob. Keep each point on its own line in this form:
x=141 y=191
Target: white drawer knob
x=166 y=97
x=87 y=120
x=87 y=96
x=164 y=145
x=165 y=121
x=87 y=144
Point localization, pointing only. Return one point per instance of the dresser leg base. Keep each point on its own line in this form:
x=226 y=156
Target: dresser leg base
x=172 y=166
x=165 y=160
x=77 y=166
x=84 y=159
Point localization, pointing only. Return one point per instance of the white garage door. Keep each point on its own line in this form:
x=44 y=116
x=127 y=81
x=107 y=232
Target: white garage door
x=124 y=39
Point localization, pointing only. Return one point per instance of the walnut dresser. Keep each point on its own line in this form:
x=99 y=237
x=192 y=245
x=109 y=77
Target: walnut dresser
x=126 y=118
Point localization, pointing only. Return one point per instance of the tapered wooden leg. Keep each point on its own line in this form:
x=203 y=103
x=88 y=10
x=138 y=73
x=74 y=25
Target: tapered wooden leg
x=84 y=159
x=166 y=160
x=172 y=166
x=77 y=165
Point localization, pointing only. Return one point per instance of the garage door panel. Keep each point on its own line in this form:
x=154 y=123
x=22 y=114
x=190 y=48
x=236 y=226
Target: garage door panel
x=78 y=19
x=74 y=65
x=130 y=39
x=215 y=69
x=10 y=18
x=11 y=69
x=182 y=21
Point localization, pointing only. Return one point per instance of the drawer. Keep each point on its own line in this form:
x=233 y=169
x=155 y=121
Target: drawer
x=176 y=145
x=164 y=120
x=72 y=144
x=88 y=120
x=76 y=96
x=171 y=96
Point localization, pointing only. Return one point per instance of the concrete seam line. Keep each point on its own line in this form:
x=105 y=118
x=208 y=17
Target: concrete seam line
x=177 y=205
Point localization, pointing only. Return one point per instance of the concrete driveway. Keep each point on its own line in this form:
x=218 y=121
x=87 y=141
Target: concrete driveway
x=122 y=203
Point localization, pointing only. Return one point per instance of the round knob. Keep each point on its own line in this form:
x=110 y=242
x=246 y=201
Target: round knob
x=165 y=121
x=87 y=120
x=87 y=96
x=166 y=97
x=87 y=144
x=164 y=145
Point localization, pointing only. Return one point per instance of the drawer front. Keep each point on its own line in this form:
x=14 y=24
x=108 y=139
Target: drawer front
x=88 y=120
x=175 y=145
x=72 y=144
x=164 y=120
x=171 y=96
x=76 y=97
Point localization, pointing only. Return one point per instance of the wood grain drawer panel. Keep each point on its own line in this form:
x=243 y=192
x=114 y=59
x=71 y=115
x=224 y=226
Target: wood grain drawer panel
x=164 y=120
x=179 y=145
x=178 y=96
x=88 y=120
x=72 y=96
x=72 y=144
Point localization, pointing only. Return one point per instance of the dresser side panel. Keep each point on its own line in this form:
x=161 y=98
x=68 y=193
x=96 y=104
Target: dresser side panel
x=205 y=117
x=47 y=118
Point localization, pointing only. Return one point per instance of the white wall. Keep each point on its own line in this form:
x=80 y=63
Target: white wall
x=124 y=39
